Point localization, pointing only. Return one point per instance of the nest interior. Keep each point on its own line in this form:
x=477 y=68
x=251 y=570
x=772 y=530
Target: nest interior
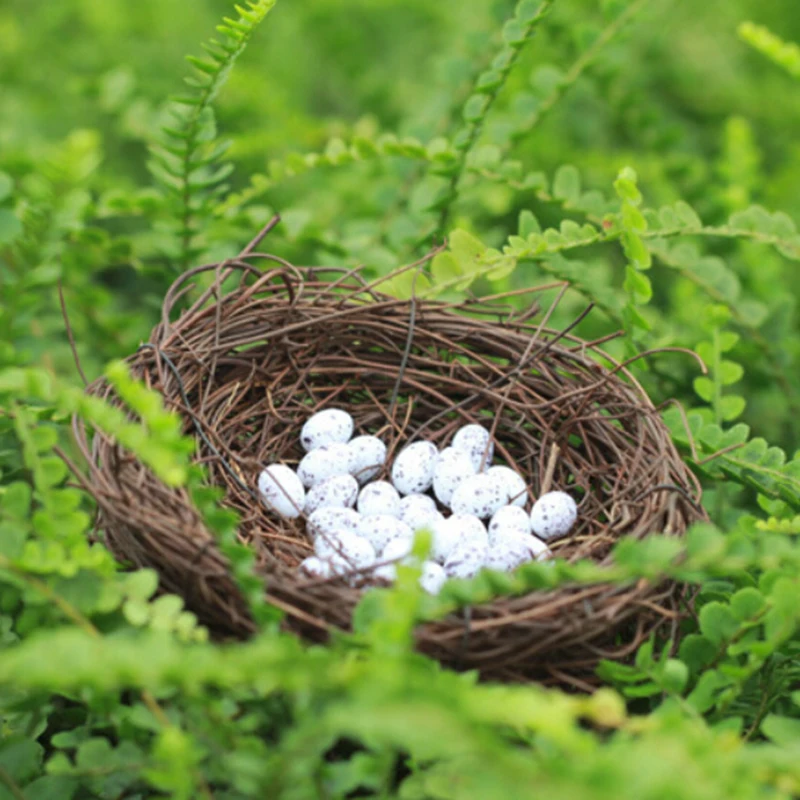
x=246 y=367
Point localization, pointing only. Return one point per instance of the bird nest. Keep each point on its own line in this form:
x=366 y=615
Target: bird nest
x=246 y=365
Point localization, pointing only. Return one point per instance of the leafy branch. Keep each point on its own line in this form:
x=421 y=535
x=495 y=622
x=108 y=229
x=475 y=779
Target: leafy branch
x=188 y=162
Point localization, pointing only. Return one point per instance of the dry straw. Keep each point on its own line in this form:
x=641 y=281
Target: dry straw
x=246 y=365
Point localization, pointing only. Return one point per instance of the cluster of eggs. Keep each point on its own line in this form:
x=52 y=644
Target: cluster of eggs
x=362 y=527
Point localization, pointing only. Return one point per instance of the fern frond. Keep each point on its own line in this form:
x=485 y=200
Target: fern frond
x=516 y=34
x=784 y=54
x=188 y=160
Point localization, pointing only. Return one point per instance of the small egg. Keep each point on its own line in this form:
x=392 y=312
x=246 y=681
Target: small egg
x=323 y=462
x=466 y=559
x=282 y=491
x=433 y=577
x=326 y=427
x=417 y=509
x=507 y=519
x=316 y=567
x=337 y=492
x=397 y=549
x=512 y=549
x=366 y=457
x=450 y=532
x=352 y=553
x=474 y=440
x=385 y=572
x=379 y=497
x=553 y=515
x=412 y=471
x=515 y=486
x=453 y=466
x=328 y=520
x=380 y=529
x=481 y=495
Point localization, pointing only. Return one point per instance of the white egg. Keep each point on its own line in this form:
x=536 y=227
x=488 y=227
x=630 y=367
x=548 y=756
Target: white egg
x=474 y=440
x=515 y=486
x=323 y=462
x=379 y=497
x=417 y=509
x=327 y=544
x=507 y=519
x=328 y=520
x=316 y=567
x=412 y=471
x=366 y=456
x=397 y=549
x=450 y=532
x=433 y=577
x=453 y=466
x=553 y=515
x=481 y=495
x=466 y=559
x=512 y=549
x=380 y=529
x=337 y=492
x=352 y=554
x=326 y=427
x=385 y=572
x=281 y=490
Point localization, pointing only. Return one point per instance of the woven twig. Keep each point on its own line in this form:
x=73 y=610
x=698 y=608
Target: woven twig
x=246 y=368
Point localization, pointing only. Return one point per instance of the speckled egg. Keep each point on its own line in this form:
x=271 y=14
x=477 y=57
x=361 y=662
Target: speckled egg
x=553 y=515
x=433 y=577
x=316 y=567
x=323 y=462
x=457 y=528
x=466 y=559
x=379 y=497
x=474 y=440
x=380 y=529
x=418 y=509
x=352 y=553
x=508 y=519
x=328 y=520
x=453 y=467
x=397 y=549
x=412 y=471
x=480 y=495
x=515 y=486
x=337 y=492
x=366 y=457
x=282 y=491
x=513 y=549
x=326 y=427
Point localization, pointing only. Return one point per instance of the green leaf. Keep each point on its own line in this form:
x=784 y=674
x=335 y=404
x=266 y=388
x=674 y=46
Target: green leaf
x=528 y=224
x=704 y=387
x=717 y=623
x=6 y=185
x=731 y=407
x=784 y=731
x=747 y=604
x=567 y=184
x=637 y=285
x=10 y=226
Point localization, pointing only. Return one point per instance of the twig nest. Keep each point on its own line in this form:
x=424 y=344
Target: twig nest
x=553 y=515
x=366 y=457
x=379 y=497
x=340 y=491
x=412 y=471
x=326 y=427
x=476 y=442
x=453 y=467
x=323 y=462
x=480 y=495
x=282 y=491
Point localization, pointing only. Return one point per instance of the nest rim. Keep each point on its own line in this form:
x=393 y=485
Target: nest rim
x=208 y=363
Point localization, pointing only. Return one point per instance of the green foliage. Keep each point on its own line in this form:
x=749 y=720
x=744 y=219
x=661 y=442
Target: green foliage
x=634 y=155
